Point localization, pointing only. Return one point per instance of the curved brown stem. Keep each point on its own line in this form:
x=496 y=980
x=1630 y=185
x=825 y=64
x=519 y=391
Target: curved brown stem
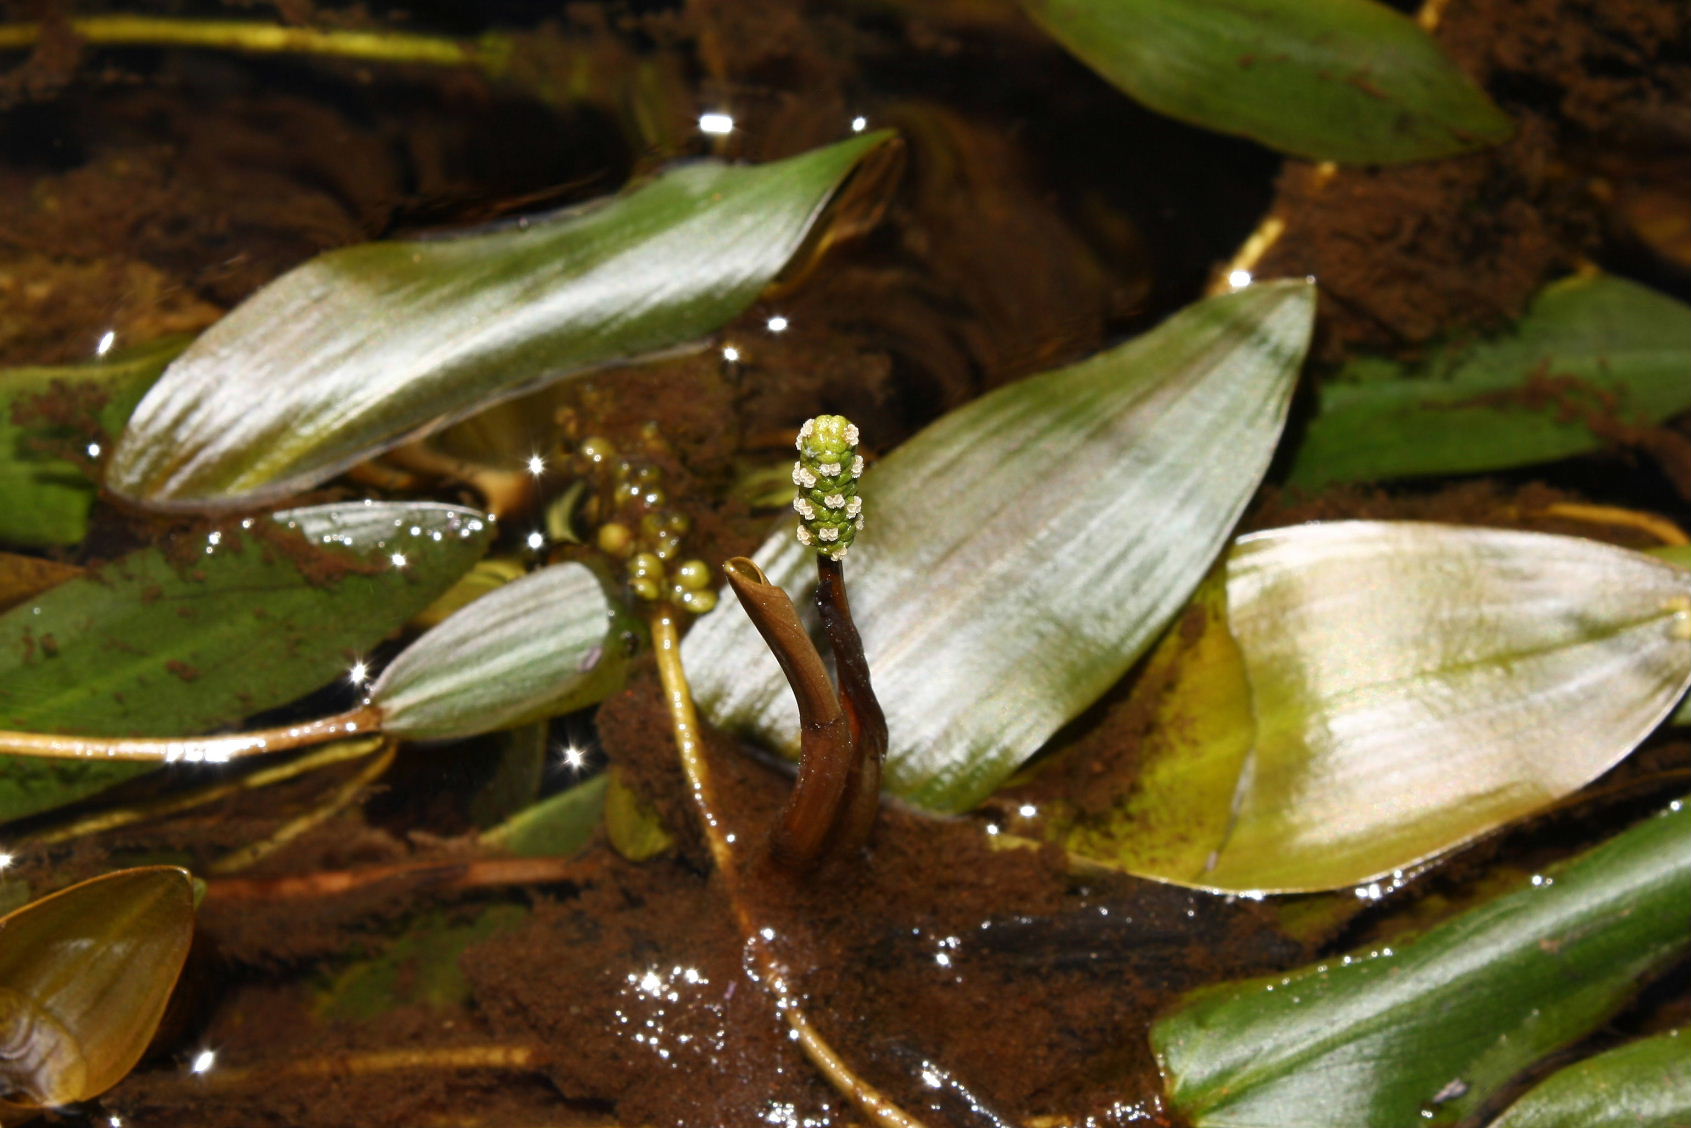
x=828 y=769
x=863 y=710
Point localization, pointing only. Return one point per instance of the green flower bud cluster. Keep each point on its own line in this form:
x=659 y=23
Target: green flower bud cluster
x=640 y=530
x=826 y=473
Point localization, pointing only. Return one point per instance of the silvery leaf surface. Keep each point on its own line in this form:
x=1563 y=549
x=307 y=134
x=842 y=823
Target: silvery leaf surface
x=1375 y=693
x=1024 y=550
x=362 y=348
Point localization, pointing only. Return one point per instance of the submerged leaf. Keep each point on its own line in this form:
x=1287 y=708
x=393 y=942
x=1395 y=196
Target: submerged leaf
x=214 y=627
x=1341 y=80
x=1426 y=1031
x=48 y=418
x=363 y=347
x=84 y=978
x=546 y=644
x=556 y=826
x=634 y=828
x=1025 y=549
x=1591 y=360
x=419 y=967
x=1367 y=694
x=1644 y=1084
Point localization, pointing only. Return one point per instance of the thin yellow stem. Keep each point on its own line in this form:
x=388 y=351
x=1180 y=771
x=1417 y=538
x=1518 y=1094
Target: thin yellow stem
x=261 y=38
x=193 y=749
x=684 y=721
x=1659 y=527
x=494 y=1056
x=344 y=797
x=102 y=821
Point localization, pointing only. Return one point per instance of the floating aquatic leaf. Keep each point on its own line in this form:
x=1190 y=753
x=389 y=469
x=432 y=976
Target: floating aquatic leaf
x=1644 y=1084
x=1366 y=694
x=1593 y=357
x=548 y=643
x=48 y=418
x=213 y=627
x=1024 y=550
x=1426 y=1031
x=84 y=977
x=1342 y=80
x=363 y=347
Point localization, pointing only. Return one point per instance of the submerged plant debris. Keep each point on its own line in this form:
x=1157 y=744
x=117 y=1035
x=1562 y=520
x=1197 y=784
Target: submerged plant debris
x=571 y=921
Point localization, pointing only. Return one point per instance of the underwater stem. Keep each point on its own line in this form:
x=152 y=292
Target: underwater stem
x=194 y=749
x=666 y=641
x=261 y=38
x=345 y=795
x=102 y=821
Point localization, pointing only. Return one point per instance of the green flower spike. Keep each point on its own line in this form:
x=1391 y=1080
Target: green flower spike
x=830 y=512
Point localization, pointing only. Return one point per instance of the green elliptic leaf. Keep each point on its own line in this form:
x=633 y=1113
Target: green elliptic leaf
x=48 y=414
x=1591 y=358
x=556 y=826
x=1366 y=694
x=84 y=977
x=1644 y=1084
x=210 y=628
x=1427 y=1030
x=364 y=347
x=1024 y=550
x=1341 y=80
x=546 y=644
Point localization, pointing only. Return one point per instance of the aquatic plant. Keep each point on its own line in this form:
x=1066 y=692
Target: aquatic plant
x=1328 y=709
x=844 y=737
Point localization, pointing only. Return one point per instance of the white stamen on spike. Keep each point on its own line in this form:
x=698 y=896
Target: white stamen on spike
x=805 y=509
x=828 y=533
x=834 y=501
x=830 y=469
x=851 y=434
x=857 y=467
x=858 y=524
x=803 y=477
x=854 y=506
x=804 y=535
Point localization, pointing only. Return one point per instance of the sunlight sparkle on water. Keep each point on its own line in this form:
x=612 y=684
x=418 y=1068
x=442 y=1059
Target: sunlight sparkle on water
x=777 y=324
x=6 y=860
x=93 y=450
x=730 y=353
x=859 y=124
x=203 y=1061
x=574 y=758
x=398 y=559
x=107 y=340
x=537 y=541
x=1239 y=279
x=716 y=123
x=359 y=673
x=536 y=464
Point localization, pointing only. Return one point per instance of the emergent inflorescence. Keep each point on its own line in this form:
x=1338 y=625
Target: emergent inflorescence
x=830 y=512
